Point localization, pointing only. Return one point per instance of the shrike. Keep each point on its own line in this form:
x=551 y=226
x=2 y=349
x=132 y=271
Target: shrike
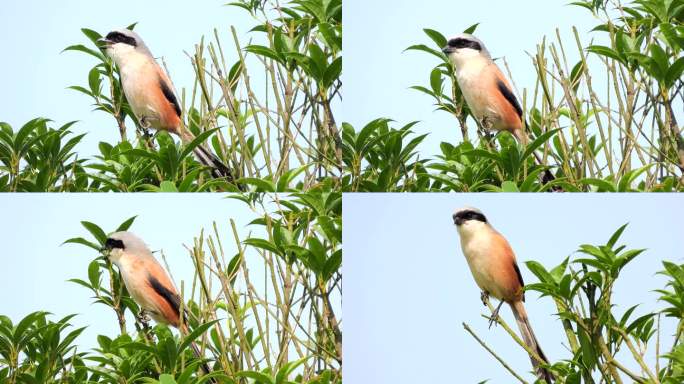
x=150 y=93
x=486 y=90
x=492 y=263
x=146 y=281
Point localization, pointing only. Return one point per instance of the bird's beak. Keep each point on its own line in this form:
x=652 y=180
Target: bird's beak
x=447 y=50
x=457 y=220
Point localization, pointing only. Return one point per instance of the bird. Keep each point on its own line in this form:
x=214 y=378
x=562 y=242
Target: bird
x=486 y=90
x=151 y=94
x=494 y=268
x=147 y=282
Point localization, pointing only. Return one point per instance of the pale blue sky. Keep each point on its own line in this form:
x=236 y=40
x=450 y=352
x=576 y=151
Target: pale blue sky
x=37 y=266
x=34 y=75
x=408 y=287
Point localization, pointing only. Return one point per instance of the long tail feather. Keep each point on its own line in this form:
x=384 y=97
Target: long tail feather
x=547 y=176
x=198 y=354
x=218 y=168
x=531 y=341
x=208 y=159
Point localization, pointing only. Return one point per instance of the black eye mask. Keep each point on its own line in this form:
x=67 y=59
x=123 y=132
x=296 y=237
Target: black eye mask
x=460 y=42
x=114 y=243
x=118 y=37
x=462 y=217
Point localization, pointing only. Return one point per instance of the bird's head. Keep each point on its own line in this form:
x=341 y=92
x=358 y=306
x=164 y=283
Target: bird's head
x=121 y=44
x=468 y=220
x=119 y=242
x=464 y=47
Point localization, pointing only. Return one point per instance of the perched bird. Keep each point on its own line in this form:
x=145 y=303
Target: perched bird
x=486 y=90
x=147 y=282
x=492 y=264
x=151 y=95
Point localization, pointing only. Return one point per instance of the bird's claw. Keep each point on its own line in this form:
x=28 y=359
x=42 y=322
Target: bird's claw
x=494 y=319
x=144 y=317
x=146 y=133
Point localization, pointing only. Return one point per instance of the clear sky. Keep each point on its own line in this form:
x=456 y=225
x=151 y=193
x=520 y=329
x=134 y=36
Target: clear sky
x=37 y=267
x=408 y=287
x=34 y=75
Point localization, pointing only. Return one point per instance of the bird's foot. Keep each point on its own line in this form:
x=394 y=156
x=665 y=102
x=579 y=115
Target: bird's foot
x=147 y=135
x=494 y=319
x=144 y=317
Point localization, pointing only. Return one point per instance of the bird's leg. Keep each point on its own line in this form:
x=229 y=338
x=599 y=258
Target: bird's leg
x=144 y=131
x=484 y=296
x=484 y=129
x=145 y=125
x=495 y=314
x=144 y=319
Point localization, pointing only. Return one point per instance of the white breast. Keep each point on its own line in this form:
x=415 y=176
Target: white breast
x=473 y=88
x=477 y=244
x=137 y=76
x=134 y=276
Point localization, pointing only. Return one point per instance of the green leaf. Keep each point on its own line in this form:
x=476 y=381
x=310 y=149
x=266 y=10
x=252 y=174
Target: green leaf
x=263 y=244
x=257 y=376
x=588 y=355
x=538 y=142
x=614 y=238
x=265 y=52
x=539 y=271
x=286 y=369
x=471 y=29
x=333 y=72
x=436 y=81
x=509 y=186
x=94 y=274
x=605 y=51
x=197 y=332
x=126 y=224
x=674 y=72
x=425 y=48
x=167 y=186
x=165 y=378
x=94 y=81
x=96 y=231
x=261 y=184
x=83 y=48
x=602 y=185
x=437 y=37
x=82 y=241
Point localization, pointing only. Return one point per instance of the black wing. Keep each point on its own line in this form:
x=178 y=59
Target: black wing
x=506 y=92
x=170 y=96
x=517 y=272
x=170 y=297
